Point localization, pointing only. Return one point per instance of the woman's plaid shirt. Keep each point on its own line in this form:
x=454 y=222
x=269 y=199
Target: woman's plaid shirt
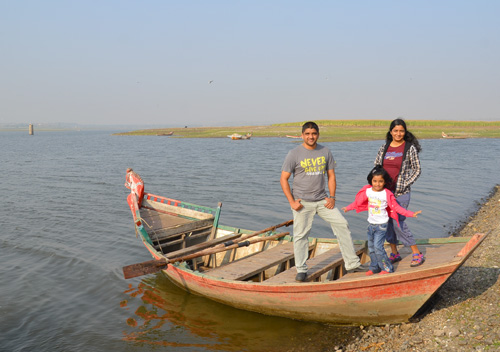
x=410 y=169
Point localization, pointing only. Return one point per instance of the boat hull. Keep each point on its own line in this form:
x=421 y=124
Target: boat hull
x=235 y=136
x=376 y=300
x=350 y=300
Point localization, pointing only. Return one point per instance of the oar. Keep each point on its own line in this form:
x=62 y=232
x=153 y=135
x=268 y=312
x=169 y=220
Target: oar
x=144 y=268
x=230 y=245
x=269 y=229
x=155 y=265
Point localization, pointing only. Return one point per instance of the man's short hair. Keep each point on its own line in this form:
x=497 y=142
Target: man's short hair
x=310 y=124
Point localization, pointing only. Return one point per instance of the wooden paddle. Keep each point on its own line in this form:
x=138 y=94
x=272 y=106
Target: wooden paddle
x=155 y=265
x=230 y=245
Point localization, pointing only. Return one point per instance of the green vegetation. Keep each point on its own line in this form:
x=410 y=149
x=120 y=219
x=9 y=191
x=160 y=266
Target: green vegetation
x=342 y=130
x=385 y=123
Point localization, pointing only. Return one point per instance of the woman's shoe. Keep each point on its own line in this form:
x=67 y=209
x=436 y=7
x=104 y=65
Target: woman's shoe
x=418 y=259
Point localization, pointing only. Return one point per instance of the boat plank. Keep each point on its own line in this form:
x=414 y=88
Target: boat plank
x=156 y=220
x=185 y=239
x=435 y=255
x=249 y=266
x=162 y=207
x=317 y=266
x=204 y=245
x=194 y=227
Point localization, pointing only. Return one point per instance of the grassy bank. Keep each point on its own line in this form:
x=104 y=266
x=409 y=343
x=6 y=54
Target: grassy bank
x=341 y=130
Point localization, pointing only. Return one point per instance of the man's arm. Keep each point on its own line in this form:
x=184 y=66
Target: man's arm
x=285 y=186
x=332 y=188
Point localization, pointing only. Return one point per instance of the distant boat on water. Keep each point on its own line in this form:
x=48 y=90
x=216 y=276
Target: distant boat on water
x=444 y=135
x=290 y=136
x=235 y=136
x=166 y=134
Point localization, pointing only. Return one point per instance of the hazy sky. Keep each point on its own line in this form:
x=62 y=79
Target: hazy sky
x=128 y=62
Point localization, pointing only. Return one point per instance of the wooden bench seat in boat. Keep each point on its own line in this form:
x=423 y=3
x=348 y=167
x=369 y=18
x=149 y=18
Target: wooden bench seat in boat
x=173 y=228
x=163 y=226
x=168 y=240
x=317 y=266
x=203 y=245
x=165 y=221
x=247 y=267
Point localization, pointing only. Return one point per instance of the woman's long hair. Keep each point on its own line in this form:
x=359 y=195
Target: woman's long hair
x=409 y=137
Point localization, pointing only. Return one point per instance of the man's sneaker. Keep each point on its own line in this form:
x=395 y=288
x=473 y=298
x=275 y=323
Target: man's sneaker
x=301 y=277
x=360 y=269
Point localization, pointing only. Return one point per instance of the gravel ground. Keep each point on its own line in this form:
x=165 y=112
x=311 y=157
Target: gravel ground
x=464 y=315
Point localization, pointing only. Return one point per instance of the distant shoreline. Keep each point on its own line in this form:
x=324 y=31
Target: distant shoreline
x=338 y=130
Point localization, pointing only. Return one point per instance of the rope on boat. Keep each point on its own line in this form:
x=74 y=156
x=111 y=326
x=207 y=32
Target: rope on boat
x=153 y=232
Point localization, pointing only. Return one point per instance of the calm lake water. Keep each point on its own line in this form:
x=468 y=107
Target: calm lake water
x=67 y=231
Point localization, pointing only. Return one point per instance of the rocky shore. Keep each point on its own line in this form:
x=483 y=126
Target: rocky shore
x=464 y=315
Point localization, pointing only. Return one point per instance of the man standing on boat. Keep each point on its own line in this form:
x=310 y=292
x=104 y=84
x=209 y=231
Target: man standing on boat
x=309 y=163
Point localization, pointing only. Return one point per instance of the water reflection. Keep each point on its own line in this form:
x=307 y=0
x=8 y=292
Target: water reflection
x=164 y=315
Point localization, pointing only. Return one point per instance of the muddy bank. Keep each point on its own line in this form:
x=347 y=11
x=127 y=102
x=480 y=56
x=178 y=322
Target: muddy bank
x=464 y=315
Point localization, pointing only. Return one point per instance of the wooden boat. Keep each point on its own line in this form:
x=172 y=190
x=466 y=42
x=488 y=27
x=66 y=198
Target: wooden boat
x=166 y=134
x=255 y=270
x=235 y=136
x=446 y=136
x=247 y=136
x=290 y=136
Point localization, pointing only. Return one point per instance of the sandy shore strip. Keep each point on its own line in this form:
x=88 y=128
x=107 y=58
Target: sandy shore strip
x=464 y=315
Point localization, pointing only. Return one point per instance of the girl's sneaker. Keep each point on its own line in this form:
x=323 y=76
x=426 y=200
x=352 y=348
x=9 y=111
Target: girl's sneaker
x=393 y=258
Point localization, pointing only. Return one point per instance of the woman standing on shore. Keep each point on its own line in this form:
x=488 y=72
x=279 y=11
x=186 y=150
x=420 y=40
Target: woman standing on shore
x=399 y=157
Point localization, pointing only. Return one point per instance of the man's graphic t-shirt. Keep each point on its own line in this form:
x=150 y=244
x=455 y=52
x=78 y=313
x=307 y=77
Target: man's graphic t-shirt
x=309 y=168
